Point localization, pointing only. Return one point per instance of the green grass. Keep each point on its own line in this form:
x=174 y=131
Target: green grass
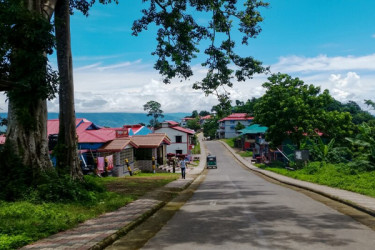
x=24 y=222
x=197 y=149
x=333 y=175
x=230 y=142
x=246 y=153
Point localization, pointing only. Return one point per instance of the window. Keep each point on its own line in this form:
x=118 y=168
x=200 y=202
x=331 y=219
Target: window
x=178 y=152
x=178 y=139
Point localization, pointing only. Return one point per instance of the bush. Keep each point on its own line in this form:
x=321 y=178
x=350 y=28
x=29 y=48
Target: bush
x=18 y=182
x=15 y=178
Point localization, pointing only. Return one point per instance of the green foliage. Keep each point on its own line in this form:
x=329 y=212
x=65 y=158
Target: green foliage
x=246 y=153
x=340 y=176
x=365 y=144
x=25 y=38
x=224 y=108
x=210 y=127
x=370 y=103
x=153 y=109
x=319 y=151
x=239 y=126
x=15 y=178
x=197 y=148
x=18 y=182
x=230 y=142
x=247 y=107
x=23 y=222
x=358 y=115
x=204 y=113
x=180 y=34
x=194 y=124
x=292 y=109
x=194 y=114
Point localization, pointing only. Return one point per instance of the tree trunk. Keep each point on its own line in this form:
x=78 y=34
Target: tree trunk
x=67 y=157
x=30 y=143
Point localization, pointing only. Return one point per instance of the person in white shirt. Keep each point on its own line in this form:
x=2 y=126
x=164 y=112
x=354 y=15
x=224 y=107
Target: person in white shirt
x=183 y=163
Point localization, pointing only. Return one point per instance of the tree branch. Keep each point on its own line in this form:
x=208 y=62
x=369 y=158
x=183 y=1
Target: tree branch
x=49 y=8
x=5 y=85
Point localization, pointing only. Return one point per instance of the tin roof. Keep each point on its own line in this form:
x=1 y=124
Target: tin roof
x=237 y=117
x=150 y=140
x=117 y=145
x=254 y=129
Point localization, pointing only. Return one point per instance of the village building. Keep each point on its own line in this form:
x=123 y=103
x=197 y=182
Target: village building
x=117 y=144
x=203 y=119
x=181 y=138
x=184 y=121
x=149 y=147
x=227 y=125
x=252 y=135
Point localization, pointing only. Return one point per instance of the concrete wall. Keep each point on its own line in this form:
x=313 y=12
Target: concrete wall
x=172 y=133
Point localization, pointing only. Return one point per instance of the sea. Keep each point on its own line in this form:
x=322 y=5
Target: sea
x=116 y=119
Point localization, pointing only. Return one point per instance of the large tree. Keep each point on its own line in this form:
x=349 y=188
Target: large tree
x=292 y=109
x=178 y=38
x=154 y=109
x=25 y=39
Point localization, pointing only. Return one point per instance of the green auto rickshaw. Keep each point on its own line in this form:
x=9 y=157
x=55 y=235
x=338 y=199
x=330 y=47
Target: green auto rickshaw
x=211 y=161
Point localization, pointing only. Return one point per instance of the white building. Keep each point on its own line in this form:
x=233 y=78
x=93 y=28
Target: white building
x=181 y=138
x=228 y=124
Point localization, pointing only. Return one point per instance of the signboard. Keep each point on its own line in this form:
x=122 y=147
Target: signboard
x=301 y=155
x=122 y=133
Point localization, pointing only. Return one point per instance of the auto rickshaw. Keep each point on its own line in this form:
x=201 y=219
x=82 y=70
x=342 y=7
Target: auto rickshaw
x=211 y=161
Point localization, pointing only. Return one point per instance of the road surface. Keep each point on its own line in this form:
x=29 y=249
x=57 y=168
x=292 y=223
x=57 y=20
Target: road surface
x=235 y=209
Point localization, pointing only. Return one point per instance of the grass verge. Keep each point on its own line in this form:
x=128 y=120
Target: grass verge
x=333 y=175
x=24 y=222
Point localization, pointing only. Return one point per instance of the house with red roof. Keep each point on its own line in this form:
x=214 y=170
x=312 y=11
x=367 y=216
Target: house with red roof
x=203 y=119
x=228 y=124
x=181 y=138
x=184 y=121
x=132 y=142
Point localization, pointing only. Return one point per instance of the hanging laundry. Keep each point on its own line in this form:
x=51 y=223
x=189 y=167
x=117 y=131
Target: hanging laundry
x=100 y=165
x=109 y=160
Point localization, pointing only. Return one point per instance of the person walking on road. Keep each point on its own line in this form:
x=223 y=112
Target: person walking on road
x=183 y=167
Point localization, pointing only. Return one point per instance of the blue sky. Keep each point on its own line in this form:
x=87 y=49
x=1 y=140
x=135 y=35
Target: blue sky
x=328 y=43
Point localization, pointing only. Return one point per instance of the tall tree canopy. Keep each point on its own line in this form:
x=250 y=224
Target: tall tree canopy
x=154 y=109
x=292 y=109
x=26 y=37
x=179 y=35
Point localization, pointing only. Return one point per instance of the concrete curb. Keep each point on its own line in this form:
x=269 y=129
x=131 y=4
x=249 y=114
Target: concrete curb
x=326 y=191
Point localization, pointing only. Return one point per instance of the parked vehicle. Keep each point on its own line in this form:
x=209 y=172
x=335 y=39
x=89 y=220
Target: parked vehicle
x=211 y=161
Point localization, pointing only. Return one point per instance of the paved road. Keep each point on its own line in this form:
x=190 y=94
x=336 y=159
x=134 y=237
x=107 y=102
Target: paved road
x=235 y=209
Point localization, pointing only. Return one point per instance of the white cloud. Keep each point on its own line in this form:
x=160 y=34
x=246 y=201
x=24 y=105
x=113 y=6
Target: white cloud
x=352 y=79
x=324 y=63
x=127 y=86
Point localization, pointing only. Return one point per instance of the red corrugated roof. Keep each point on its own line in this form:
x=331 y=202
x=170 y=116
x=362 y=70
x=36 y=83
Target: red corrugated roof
x=185 y=130
x=206 y=117
x=237 y=117
x=100 y=135
x=173 y=123
x=96 y=136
